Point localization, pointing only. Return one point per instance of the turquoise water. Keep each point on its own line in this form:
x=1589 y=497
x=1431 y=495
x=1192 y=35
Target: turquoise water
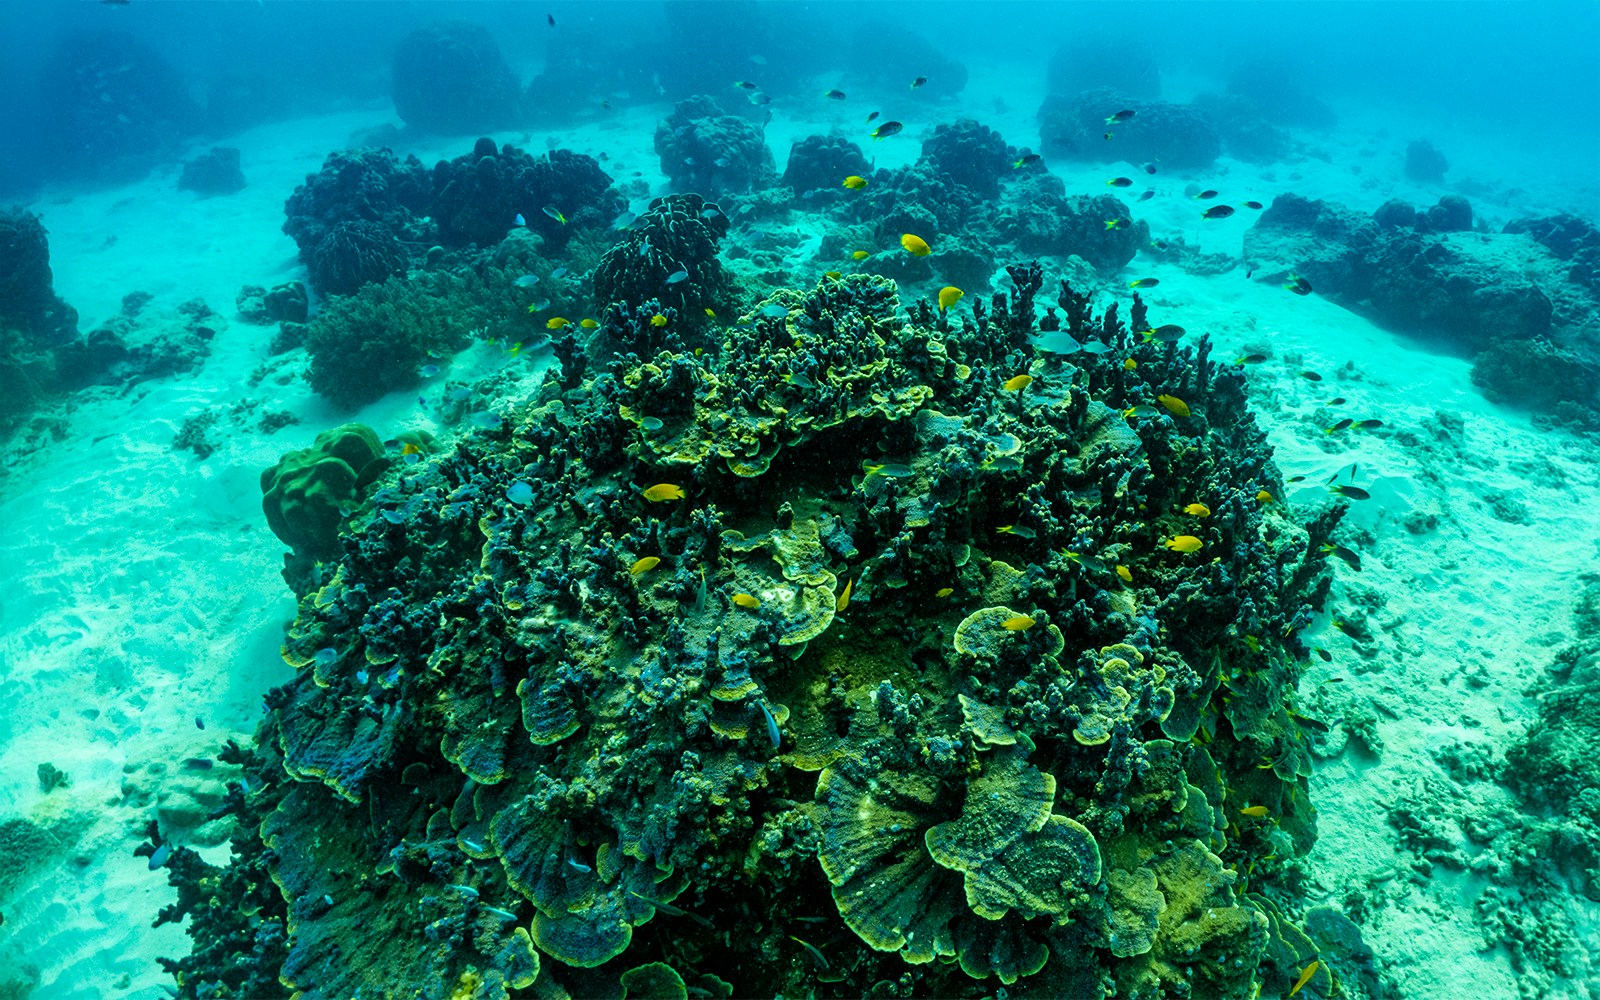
x=755 y=500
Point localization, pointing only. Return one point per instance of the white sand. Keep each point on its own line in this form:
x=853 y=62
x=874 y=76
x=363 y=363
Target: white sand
x=141 y=586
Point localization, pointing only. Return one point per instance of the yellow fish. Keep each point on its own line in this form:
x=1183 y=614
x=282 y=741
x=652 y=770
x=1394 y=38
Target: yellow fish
x=557 y=323
x=410 y=449
x=588 y=324
x=1017 y=383
x=1020 y=623
x=1183 y=543
x=711 y=312
x=658 y=320
x=949 y=295
x=1305 y=976
x=747 y=601
x=944 y=592
x=644 y=565
x=1130 y=364
x=854 y=183
x=1256 y=811
x=1125 y=573
x=860 y=255
x=835 y=275
x=844 y=596
x=1198 y=510
x=1264 y=497
x=1178 y=407
x=663 y=491
x=915 y=245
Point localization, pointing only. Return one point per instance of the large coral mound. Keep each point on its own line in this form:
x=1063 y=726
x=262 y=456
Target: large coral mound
x=451 y=78
x=791 y=662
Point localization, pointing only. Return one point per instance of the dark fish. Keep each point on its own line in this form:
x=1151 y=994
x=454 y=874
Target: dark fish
x=199 y=723
x=1171 y=333
x=1149 y=168
x=1120 y=182
x=1147 y=196
x=744 y=85
x=1335 y=401
x=1368 y=425
x=1250 y=359
x=1217 y=212
x=873 y=116
x=550 y=19
x=1341 y=552
x=760 y=98
x=1204 y=195
x=887 y=129
x=1311 y=376
x=1108 y=136
x=1025 y=159
x=1350 y=492
x=919 y=81
x=1119 y=117
x=834 y=95
x=1253 y=204
x=1327 y=657
x=1298 y=285
x=1340 y=426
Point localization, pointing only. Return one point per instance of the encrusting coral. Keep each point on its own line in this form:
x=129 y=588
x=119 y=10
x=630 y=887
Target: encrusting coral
x=829 y=649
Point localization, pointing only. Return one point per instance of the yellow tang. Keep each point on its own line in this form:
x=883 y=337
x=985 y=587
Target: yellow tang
x=644 y=565
x=588 y=324
x=1017 y=383
x=844 y=596
x=1130 y=364
x=860 y=255
x=949 y=295
x=1264 y=496
x=944 y=592
x=1257 y=811
x=1125 y=573
x=1173 y=403
x=663 y=491
x=1183 y=543
x=854 y=183
x=915 y=245
x=658 y=320
x=1198 y=510
x=835 y=275
x=557 y=322
x=1019 y=623
x=711 y=312
x=747 y=601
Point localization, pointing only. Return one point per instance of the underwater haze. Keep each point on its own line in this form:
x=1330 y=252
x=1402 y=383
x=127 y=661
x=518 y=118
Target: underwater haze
x=755 y=500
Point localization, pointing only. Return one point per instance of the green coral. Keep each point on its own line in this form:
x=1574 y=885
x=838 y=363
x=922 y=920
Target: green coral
x=306 y=494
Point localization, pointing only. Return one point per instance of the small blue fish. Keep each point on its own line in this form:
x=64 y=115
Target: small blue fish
x=520 y=220
x=680 y=131
x=574 y=862
x=428 y=371
x=465 y=890
x=487 y=420
x=651 y=423
x=527 y=281
x=394 y=516
x=624 y=220
x=774 y=311
x=362 y=676
x=540 y=306
x=710 y=212
x=199 y=723
x=520 y=493
x=160 y=857
x=722 y=161
x=644 y=248
x=458 y=394
x=677 y=276
x=554 y=213
x=325 y=656
x=688 y=161
x=772 y=725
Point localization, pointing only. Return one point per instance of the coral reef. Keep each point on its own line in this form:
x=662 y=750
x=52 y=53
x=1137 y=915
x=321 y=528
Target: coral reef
x=212 y=173
x=1122 y=64
x=1039 y=217
x=706 y=150
x=450 y=77
x=477 y=197
x=365 y=185
x=828 y=650
x=29 y=305
x=971 y=155
x=821 y=163
x=1424 y=164
x=1177 y=136
x=354 y=254
x=114 y=105
x=678 y=233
